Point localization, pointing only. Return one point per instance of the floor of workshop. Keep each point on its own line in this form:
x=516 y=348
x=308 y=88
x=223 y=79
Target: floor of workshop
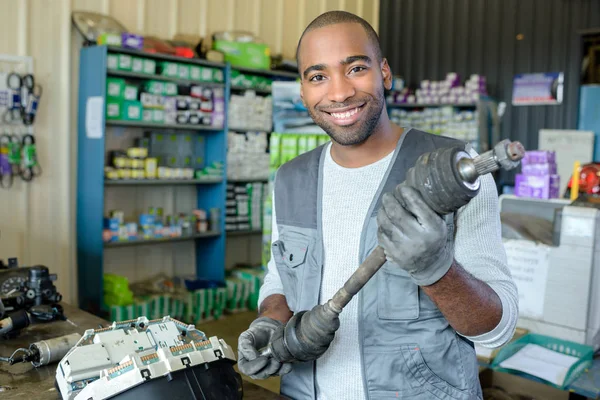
x=229 y=329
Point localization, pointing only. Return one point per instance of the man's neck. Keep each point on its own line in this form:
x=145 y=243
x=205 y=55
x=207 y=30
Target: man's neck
x=381 y=143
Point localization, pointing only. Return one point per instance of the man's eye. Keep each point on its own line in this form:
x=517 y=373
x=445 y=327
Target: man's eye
x=357 y=69
x=317 y=78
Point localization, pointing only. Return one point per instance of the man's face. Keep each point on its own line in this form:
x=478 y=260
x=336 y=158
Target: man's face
x=342 y=82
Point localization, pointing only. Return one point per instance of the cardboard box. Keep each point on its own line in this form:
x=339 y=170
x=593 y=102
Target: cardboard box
x=206 y=74
x=500 y=385
x=540 y=187
x=168 y=68
x=149 y=66
x=137 y=65
x=170 y=89
x=275 y=150
x=183 y=71
x=114 y=108
x=112 y=61
x=539 y=169
x=132 y=110
x=218 y=75
x=195 y=73
x=115 y=88
x=147 y=115
x=125 y=62
x=154 y=87
x=130 y=92
x=158 y=116
x=251 y=55
x=289 y=147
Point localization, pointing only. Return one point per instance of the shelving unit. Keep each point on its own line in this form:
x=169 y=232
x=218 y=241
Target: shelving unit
x=161 y=182
x=406 y=105
x=183 y=238
x=258 y=91
x=137 y=75
x=488 y=125
x=151 y=125
x=269 y=73
x=94 y=134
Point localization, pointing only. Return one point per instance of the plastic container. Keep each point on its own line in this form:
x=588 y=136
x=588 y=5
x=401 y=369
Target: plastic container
x=583 y=352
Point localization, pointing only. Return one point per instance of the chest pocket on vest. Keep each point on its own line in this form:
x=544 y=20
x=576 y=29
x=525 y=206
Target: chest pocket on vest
x=397 y=294
x=290 y=255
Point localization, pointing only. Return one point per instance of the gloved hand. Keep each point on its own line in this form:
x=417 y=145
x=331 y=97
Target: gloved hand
x=414 y=236
x=250 y=362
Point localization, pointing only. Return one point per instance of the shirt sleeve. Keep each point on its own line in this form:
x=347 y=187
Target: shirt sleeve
x=272 y=282
x=480 y=251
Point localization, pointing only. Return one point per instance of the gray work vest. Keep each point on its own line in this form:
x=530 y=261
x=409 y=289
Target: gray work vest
x=407 y=348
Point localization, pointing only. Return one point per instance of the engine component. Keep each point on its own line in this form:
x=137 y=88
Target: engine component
x=156 y=359
x=44 y=352
x=447 y=178
x=14 y=323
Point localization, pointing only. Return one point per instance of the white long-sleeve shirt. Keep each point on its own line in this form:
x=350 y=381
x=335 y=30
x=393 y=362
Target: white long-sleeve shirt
x=347 y=195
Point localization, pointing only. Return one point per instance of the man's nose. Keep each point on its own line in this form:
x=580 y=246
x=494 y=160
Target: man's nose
x=340 y=89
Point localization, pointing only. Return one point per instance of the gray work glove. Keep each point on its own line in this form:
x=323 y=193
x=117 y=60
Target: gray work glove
x=414 y=236
x=258 y=336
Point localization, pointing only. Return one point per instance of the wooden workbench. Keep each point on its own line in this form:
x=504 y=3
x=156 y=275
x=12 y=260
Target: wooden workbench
x=23 y=381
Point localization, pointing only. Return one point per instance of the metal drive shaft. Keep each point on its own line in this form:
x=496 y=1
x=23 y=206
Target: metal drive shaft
x=447 y=179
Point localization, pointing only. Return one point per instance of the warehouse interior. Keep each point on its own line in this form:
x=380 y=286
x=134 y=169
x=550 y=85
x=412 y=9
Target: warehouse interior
x=140 y=145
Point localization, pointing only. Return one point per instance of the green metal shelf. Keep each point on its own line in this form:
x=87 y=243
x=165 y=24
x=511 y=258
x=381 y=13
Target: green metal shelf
x=140 y=124
x=141 y=242
x=160 y=182
x=138 y=75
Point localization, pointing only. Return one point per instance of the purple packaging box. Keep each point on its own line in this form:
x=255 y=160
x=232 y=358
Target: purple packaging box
x=132 y=41
x=539 y=157
x=539 y=187
x=539 y=169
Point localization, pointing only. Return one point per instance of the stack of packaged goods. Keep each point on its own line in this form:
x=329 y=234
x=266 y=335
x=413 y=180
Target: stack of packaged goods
x=160 y=296
x=154 y=225
x=247 y=157
x=238 y=293
x=132 y=163
x=448 y=121
x=255 y=279
x=249 y=112
x=283 y=148
x=165 y=102
x=538 y=177
x=239 y=80
x=448 y=91
x=244 y=206
x=205 y=304
x=161 y=155
x=186 y=298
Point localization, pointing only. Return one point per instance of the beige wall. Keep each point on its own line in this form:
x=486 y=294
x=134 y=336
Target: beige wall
x=37 y=220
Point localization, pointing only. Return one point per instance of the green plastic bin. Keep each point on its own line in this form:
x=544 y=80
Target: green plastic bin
x=583 y=352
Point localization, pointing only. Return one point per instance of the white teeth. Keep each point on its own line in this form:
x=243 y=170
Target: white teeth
x=346 y=114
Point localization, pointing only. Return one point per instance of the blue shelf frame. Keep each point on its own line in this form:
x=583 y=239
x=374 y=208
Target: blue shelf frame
x=210 y=251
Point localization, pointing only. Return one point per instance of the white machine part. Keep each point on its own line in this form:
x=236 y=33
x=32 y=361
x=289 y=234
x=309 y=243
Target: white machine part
x=571 y=300
x=109 y=361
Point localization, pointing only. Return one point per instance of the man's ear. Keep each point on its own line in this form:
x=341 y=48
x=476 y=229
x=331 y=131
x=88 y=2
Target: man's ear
x=386 y=73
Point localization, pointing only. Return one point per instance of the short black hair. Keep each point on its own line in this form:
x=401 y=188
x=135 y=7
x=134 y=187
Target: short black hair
x=341 y=17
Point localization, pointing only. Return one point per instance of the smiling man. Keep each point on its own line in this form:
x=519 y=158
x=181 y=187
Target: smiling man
x=410 y=331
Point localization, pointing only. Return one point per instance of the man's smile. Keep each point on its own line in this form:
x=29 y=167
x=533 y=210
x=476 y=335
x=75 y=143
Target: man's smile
x=345 y=116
